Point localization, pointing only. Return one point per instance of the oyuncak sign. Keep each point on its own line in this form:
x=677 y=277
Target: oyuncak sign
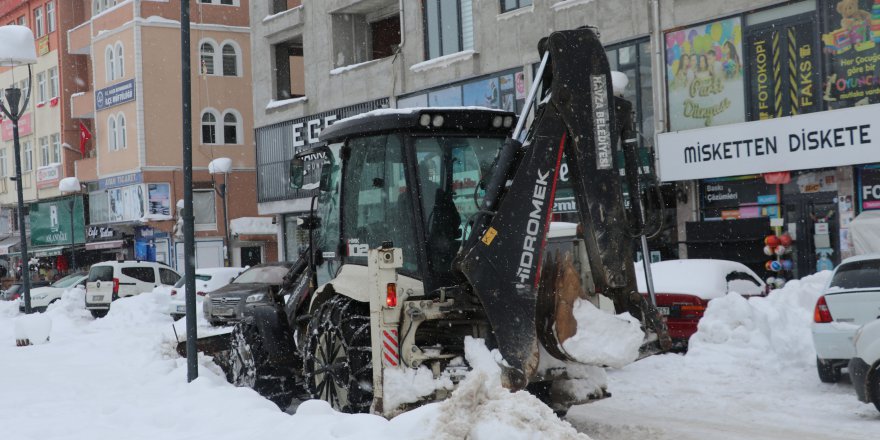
x=817 y=140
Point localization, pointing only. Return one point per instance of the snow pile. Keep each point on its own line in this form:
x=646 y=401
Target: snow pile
x=407 y=385
x=32 y=329
x=602 y=338
x=146 y=308
x=772 y=330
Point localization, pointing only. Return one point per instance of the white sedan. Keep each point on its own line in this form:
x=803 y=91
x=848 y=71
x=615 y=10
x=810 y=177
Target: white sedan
x=851 y=299
x=207 y=280
x=41 y=297
x=864 y=367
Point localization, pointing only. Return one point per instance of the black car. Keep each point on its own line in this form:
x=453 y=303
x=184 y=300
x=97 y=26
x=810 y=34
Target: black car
x=253 y=287
x=14 y=290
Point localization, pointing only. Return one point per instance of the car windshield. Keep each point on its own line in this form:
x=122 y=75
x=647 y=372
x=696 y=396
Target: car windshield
x=68 y=281
x=101 y=273
x=265 y=275
x=857 y=275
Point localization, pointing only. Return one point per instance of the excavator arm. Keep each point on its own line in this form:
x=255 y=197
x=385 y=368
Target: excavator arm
x=501 y=259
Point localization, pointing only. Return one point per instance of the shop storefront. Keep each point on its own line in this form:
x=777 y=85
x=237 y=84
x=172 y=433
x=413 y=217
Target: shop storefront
x=57 y=231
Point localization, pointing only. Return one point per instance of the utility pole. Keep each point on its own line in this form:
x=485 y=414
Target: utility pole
x=192 y=366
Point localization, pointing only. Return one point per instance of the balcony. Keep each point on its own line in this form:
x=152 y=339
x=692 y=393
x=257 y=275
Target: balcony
x=87 y=169
x=283 y=25
x=82 y=105
x=79 y=39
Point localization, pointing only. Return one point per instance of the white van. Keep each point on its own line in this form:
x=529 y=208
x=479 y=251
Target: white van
x=112 y=280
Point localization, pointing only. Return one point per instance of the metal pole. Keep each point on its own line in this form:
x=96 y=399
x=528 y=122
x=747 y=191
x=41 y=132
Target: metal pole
x=192 y=367
x=12 y=97
x=225 y=193
x=72 y=236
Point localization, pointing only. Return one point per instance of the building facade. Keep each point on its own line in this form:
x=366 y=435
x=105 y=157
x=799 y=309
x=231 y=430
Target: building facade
x=133 y=102
x=694 y=68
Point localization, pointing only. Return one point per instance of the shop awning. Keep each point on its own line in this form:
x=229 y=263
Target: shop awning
x=7 y=243
x=46 y=251
x=96 y=245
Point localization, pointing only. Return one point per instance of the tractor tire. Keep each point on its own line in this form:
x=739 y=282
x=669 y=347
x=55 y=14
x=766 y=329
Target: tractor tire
x=251 y=367
x=338 y=356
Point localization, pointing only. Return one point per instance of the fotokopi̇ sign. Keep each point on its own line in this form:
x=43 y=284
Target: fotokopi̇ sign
x=817 y=140
x=704 y=75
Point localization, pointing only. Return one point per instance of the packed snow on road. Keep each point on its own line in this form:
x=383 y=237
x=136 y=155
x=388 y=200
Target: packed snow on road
x=749 y=374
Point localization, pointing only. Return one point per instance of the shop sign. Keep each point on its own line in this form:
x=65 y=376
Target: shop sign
x=818 y=140
x=851 y=41
x=24 y=127
x=704 y=75
x=50 y=222
x=869 y=188
x=783 y=70
x=123 y=180
x=48 y=175
x=115 y=95
x=43 y=45
x=126 y=203
x=101 y=233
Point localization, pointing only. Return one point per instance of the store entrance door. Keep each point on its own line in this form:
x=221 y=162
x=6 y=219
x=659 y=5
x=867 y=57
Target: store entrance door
x=816 y=232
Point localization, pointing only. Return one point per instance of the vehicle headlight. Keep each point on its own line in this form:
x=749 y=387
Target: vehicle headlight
x=255 y=297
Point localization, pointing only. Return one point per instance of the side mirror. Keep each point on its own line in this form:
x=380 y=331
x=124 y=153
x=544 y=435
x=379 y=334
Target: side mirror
x=311 y=168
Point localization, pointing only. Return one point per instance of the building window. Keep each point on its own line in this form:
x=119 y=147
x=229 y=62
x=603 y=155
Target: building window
x=360 y=36
x=109 y=64
x=209 y=128
x=50 y=16
x=99 y=6
x=203 y=210
x=22 y=21
x=120 y=61
x=111 y=133
x=449 y=27
x=53 y=82
x=55 y=140
x=38 y=22
x=510 y=5
x=3 y=162
x=25 y=86
x=27 y=162
x=120 y=132
x=207 y=51
x=44 y=151
x=41 y=87
x=283 y=5
x=230 y=60
x=230 y=128
x=289 y=69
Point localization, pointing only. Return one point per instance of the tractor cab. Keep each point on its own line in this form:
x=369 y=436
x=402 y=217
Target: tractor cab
x=409 y=177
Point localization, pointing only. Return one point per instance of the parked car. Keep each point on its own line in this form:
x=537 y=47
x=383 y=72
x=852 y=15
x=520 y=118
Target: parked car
x=41 y=297
x=227 y=304
x=207 y=280
x=14 y=291
x=864 y=367
x=111 y=280
x=851 y=299
x=684 y=288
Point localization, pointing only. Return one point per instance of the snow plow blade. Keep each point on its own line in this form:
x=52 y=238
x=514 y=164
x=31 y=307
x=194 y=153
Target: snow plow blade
x=217 y=346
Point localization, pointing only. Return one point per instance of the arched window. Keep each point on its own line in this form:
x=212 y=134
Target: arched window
x=207 y=58
x=111 y=134
x=230 y=128
x=120 y=61
x=120 y=132
x=109 y=64
x=209 y=128
x=230 y=60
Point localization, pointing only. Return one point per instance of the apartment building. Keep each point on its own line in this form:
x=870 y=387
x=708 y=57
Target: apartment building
x=133 y=102
x=49 y=135
x=698 y=71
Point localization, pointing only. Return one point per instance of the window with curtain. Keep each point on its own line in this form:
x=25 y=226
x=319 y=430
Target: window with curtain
x=449 y=27
x=27 y=162
x=120 y=61
x=41 y=87
x=120 y=132
x=109 y=64
x=111 y=133
x=55 y=141
x=207 y=58
x=53 y=82
x=50 y=16
x=44 y=151
x=38 y=22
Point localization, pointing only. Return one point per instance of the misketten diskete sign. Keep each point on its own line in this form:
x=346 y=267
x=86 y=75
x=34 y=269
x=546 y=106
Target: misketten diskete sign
x=817 y=140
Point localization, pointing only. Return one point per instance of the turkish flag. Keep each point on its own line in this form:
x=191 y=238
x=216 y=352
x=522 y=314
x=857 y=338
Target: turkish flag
x=84 y=136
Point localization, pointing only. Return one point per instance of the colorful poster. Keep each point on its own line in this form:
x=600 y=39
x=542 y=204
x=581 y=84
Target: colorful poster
x=159 y=195
x=704 y=75
x=851 y=41
x=483 y=93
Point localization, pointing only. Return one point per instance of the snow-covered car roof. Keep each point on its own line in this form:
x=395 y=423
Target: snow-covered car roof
x=865 y=257
x=704 y=278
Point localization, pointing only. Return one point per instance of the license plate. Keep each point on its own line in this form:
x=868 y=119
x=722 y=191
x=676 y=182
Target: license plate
x=181 y=309
x=98 y=298
x=223 y=311
x=663 y=311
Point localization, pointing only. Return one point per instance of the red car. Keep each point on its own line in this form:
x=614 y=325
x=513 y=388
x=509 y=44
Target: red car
x=684 y=288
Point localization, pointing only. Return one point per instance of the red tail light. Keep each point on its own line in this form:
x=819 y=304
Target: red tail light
x=822 y=314
x=692 y=311
x=173 y=292
x=201 y=293
x=391 y=295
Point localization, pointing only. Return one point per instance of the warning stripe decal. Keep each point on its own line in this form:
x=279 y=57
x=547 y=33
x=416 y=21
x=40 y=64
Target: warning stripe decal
x=390 y=355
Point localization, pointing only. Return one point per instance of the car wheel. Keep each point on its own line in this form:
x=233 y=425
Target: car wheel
x=251 y=367
x=337 y=356
x=873 y=385
x=98 y=313
x=828 y=372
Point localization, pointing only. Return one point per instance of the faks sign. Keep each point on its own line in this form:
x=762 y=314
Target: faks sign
x=817 y=140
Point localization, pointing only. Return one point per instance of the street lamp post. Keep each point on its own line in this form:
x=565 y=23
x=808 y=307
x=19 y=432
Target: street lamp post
x=16 y=49
x=223 y=165
x=71 y=185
